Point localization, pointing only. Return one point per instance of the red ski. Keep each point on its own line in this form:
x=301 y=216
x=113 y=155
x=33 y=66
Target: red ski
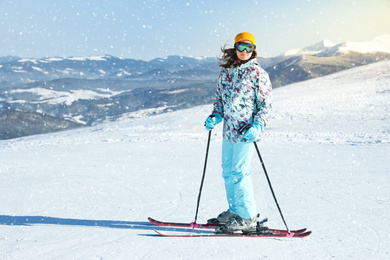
x=206 y=226
x=299 y=235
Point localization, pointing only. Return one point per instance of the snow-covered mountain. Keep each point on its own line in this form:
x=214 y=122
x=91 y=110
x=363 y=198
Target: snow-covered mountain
x=86 y=193
x=94 y=67
x=325 y=58
x=311 y=50
x=378 y=44
x=17 y=71
x=91 y=90
x=327 y=48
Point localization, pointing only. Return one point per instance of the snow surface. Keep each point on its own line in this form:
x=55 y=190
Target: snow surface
x=87 y=193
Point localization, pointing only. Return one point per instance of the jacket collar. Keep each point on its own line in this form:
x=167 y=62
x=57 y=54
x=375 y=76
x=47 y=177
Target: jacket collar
x=247 y=65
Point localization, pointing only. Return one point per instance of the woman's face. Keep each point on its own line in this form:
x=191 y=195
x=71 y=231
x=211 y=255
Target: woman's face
x=244 y=55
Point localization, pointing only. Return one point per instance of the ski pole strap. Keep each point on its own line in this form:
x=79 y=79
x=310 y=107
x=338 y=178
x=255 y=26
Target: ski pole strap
x=201 y=183
x=270 y=186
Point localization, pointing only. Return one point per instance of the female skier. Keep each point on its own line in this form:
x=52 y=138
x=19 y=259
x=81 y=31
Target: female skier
x=243 y=103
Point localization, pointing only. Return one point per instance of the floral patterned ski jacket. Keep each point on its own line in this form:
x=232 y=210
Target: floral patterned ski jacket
x=244 y=95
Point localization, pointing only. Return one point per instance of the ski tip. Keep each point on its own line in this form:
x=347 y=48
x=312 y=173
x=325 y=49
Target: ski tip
x=293 y=234
x=304 y=234
x=153 y=221
x=161 y=234
x=299 y=231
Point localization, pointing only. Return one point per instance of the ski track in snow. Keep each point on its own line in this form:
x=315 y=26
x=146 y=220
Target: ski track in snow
x=87 y=193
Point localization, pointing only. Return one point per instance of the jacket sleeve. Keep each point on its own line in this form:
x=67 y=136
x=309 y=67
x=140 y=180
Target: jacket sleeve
x=263 y=98
x=218 y=105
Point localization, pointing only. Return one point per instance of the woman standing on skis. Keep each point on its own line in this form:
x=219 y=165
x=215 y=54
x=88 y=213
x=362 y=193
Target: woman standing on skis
x=243 y=103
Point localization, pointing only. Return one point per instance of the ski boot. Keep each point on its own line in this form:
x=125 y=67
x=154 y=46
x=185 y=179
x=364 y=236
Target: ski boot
x=238 y=224
x=260 y=228
x=222 y=218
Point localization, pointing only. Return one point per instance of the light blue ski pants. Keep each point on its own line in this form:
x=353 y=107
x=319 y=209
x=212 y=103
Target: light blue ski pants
x=236 y=171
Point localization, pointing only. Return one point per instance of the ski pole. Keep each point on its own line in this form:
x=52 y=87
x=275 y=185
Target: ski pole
x=270 y=186
x=193 y=224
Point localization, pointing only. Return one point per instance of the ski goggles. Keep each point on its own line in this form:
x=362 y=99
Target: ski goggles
x=241 y=46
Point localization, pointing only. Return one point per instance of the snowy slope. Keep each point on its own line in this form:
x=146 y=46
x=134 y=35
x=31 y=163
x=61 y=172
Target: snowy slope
x=87 y=193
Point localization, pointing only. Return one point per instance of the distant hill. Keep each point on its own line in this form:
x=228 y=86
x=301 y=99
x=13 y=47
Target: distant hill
x=16 y=124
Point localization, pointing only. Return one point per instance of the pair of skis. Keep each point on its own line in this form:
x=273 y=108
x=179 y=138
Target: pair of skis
x=270 y=233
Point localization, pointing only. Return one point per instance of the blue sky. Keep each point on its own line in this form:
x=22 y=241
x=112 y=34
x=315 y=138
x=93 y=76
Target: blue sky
x=147 y=29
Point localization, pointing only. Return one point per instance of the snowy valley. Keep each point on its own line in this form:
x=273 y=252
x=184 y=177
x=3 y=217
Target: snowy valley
x=86 y=193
